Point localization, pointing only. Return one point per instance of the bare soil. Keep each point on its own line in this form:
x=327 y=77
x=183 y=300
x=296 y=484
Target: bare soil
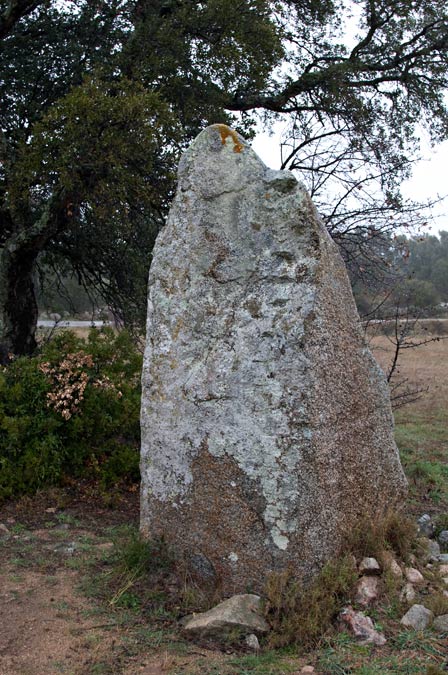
x=51 y=618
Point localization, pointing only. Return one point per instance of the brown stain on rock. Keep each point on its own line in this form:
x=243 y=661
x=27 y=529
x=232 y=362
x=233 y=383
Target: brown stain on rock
x=223 y=516
x=225 y=133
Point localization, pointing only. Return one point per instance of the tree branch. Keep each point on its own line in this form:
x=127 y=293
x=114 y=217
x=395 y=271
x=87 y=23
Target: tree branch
x=15 y=11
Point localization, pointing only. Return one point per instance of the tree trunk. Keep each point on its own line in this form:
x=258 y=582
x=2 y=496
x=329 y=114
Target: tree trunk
x=18 y=305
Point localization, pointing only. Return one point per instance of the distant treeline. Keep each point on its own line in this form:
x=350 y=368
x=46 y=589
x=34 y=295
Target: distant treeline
x=412 y=274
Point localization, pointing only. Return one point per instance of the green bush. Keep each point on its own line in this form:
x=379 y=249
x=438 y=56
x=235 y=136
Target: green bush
x=70 y=411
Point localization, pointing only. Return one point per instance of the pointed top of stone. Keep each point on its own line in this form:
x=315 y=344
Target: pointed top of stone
x=219 y=160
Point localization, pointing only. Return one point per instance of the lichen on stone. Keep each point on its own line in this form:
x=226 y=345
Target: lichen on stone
x=266 y=425
x=226 y=132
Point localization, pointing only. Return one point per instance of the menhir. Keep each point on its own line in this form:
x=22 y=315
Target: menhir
x=266 y=422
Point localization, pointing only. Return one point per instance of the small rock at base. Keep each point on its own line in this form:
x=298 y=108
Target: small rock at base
x=66 y=548
x=443 y=569
x=369 y=566
x=307 y=670
x=3 y=529
x=440 y=623
x=413 y=575
x=431 y=549
x=366 y=591
x=252 y=642
x=395 y=569
x=417 y=617
x=407 y=593
x=425 y=526
x=445 y=580
x=360 y=626
x=443 y=540
x=240 y=612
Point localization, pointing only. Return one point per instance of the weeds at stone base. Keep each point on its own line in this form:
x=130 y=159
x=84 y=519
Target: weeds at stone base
x=297 y=617
x=394 y=533
x=300 y=614
x=437 y=603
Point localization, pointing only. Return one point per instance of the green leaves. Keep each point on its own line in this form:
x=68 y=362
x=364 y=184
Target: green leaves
x=99 y=143
x=39 y=444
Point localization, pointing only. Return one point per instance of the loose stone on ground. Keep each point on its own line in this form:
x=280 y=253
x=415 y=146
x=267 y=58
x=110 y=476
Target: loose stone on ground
x=366 y=591
x=252 y=642
x=443 y=540
x=414 y=576
x=360 y=626
x=408 y=593
x=440 y=623
x=425 y=526
x=240 y=613
x=417 y=617
x=369 y=566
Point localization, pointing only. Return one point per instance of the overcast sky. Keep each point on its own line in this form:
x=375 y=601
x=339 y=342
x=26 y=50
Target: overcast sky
x=429 y=180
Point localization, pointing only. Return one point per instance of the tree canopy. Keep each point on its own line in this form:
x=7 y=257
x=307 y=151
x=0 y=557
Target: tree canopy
x=100 y=98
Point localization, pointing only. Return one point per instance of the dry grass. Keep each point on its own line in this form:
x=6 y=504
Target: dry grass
x=395 y=532
x=422 y=426
x=300 y=614
x=425 y=367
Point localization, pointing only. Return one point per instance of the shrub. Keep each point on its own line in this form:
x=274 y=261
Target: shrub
x=301 y=613
x=70 y=411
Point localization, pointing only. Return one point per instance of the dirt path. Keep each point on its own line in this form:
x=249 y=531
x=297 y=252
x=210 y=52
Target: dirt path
x=42 y=624
x=48 y=622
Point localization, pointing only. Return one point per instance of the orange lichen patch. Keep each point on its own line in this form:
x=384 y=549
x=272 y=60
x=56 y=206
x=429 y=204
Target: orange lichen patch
x=225 y=132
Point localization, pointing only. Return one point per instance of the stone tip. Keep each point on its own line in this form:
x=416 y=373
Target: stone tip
x=226 y=134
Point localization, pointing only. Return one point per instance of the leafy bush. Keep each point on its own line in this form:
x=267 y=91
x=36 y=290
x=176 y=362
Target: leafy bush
x=70 y=411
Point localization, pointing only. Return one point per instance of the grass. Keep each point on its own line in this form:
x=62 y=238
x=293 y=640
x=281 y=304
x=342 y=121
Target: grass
x=409 y=654
x=421 y=427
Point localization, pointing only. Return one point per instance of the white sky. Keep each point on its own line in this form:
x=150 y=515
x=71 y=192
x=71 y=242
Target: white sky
x=429 y=180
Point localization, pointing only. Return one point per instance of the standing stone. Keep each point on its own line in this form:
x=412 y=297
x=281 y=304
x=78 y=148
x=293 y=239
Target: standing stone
x=266 y=425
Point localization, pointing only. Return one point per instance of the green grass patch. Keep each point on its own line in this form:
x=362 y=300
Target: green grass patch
x=422 y=438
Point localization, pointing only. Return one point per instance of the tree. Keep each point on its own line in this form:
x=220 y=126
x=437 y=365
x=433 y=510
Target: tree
x=97 y=109
x=352 y=115
x=417 y=279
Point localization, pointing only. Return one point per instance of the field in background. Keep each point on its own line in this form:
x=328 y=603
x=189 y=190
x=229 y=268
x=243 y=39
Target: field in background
x=422 y=426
